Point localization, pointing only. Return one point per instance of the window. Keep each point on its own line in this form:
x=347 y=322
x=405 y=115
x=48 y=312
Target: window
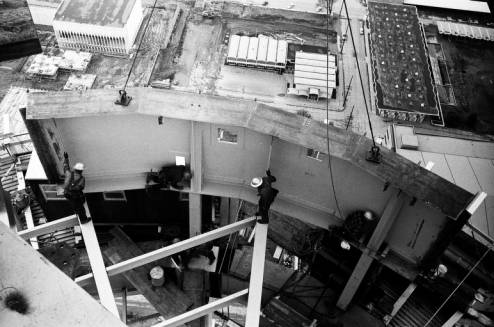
x=226 y=136
x=52 y=192
x=179 y=161
x=311 y=153
x=114 y=196
x=183 y=196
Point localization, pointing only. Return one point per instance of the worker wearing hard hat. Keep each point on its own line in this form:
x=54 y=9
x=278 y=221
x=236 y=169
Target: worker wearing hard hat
x=73 y=187
x=266 y=194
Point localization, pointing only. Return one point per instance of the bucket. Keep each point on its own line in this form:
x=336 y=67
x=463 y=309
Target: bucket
x=157 y=276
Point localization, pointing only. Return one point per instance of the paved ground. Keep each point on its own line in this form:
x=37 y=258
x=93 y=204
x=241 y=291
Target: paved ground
x=359 y=122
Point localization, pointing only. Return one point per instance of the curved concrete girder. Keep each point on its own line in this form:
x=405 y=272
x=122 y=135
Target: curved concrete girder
x=399 y=171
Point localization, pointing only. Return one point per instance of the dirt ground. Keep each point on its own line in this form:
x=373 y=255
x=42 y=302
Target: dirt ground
x=471 y=68
x=113 y=71
x=197 y=60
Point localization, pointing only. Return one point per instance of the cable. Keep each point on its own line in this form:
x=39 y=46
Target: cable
x=359 y=74
x=328 y=12
x=140 y=42
x=457 y=287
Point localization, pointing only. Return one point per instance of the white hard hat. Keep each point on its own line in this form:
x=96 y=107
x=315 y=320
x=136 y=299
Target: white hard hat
x=256 y=182
x=79 y=166
x=368 y=215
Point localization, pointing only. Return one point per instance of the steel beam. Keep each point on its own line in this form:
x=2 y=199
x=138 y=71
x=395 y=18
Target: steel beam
x=169 y=250
x=52 y=226
x=256 y=276
x=203 y=310
x=103 y=285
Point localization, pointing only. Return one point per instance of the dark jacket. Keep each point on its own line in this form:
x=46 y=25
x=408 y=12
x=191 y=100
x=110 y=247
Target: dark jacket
x=74 y=183
x=266 y=192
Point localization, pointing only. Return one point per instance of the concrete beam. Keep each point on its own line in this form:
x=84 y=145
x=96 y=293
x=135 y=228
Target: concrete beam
x=196 y=157
x=169 y=250
x=202 y=311
x=253 y=115
x=383 y=226
x=195 y=214
x=256 y=276
x=54 y=299
x=98 y=266
x=49 y=227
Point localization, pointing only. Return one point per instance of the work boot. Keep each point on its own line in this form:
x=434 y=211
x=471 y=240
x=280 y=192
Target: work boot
x=86 y=220
x=262 y=221
x=211 y=257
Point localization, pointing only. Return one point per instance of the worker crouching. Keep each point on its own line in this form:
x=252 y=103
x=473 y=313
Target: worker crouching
x=73 y=187
x=266 y=194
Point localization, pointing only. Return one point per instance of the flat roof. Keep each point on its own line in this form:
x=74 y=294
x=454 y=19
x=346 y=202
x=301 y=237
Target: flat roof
x=464 y=5
x=468 y=164
x=402 y=78
x=95 y=12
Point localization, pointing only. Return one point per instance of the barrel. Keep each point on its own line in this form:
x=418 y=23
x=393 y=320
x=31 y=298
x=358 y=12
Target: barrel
x=157 y=276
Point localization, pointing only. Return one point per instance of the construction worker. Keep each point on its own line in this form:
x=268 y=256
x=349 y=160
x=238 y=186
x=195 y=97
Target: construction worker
x=174 y=176
x=73 y=186
x=266 y=194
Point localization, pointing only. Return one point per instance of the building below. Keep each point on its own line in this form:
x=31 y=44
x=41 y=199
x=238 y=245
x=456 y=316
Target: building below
x=314 y=75
x=43 y=11
x=461 y=5
x=48 y=66
x=402 y=78
x=108 y=26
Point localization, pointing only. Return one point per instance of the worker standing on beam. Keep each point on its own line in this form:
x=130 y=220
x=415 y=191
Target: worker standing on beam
x=266 y=194
x=73 y=186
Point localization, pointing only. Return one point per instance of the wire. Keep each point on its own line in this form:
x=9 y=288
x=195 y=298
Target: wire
x=140 y=42
x=328 y=13
x=359 y=74
x=457 y=287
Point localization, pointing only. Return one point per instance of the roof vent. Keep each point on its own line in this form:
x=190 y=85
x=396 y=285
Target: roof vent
x=409 y=142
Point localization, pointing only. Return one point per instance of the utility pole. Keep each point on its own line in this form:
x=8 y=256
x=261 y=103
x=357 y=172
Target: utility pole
x=350 y=118
x=347 y=91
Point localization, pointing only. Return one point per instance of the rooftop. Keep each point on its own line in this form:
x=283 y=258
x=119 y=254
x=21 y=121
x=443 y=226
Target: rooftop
x=96 y=12
x=468 y=164
x=402 y=78
x=463 y=5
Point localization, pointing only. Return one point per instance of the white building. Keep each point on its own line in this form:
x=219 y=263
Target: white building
x=261 y=52
x=107 y=26
x=314 y=73
x=43 y=11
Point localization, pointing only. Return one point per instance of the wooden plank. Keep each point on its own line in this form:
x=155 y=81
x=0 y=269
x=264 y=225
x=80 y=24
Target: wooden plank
x=98 y=266
x=399 y=171
x=202 y=311
x=54 y=299
x=49 y=227
x=453 y=319
x=169 y=250
x=168 y=300
x=256 y=276
x=400 y=302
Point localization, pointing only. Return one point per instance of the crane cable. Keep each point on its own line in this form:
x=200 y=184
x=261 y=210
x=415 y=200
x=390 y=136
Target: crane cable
x=140 y=42
x=457 y=287
x=328 y=12
x=360 y=74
